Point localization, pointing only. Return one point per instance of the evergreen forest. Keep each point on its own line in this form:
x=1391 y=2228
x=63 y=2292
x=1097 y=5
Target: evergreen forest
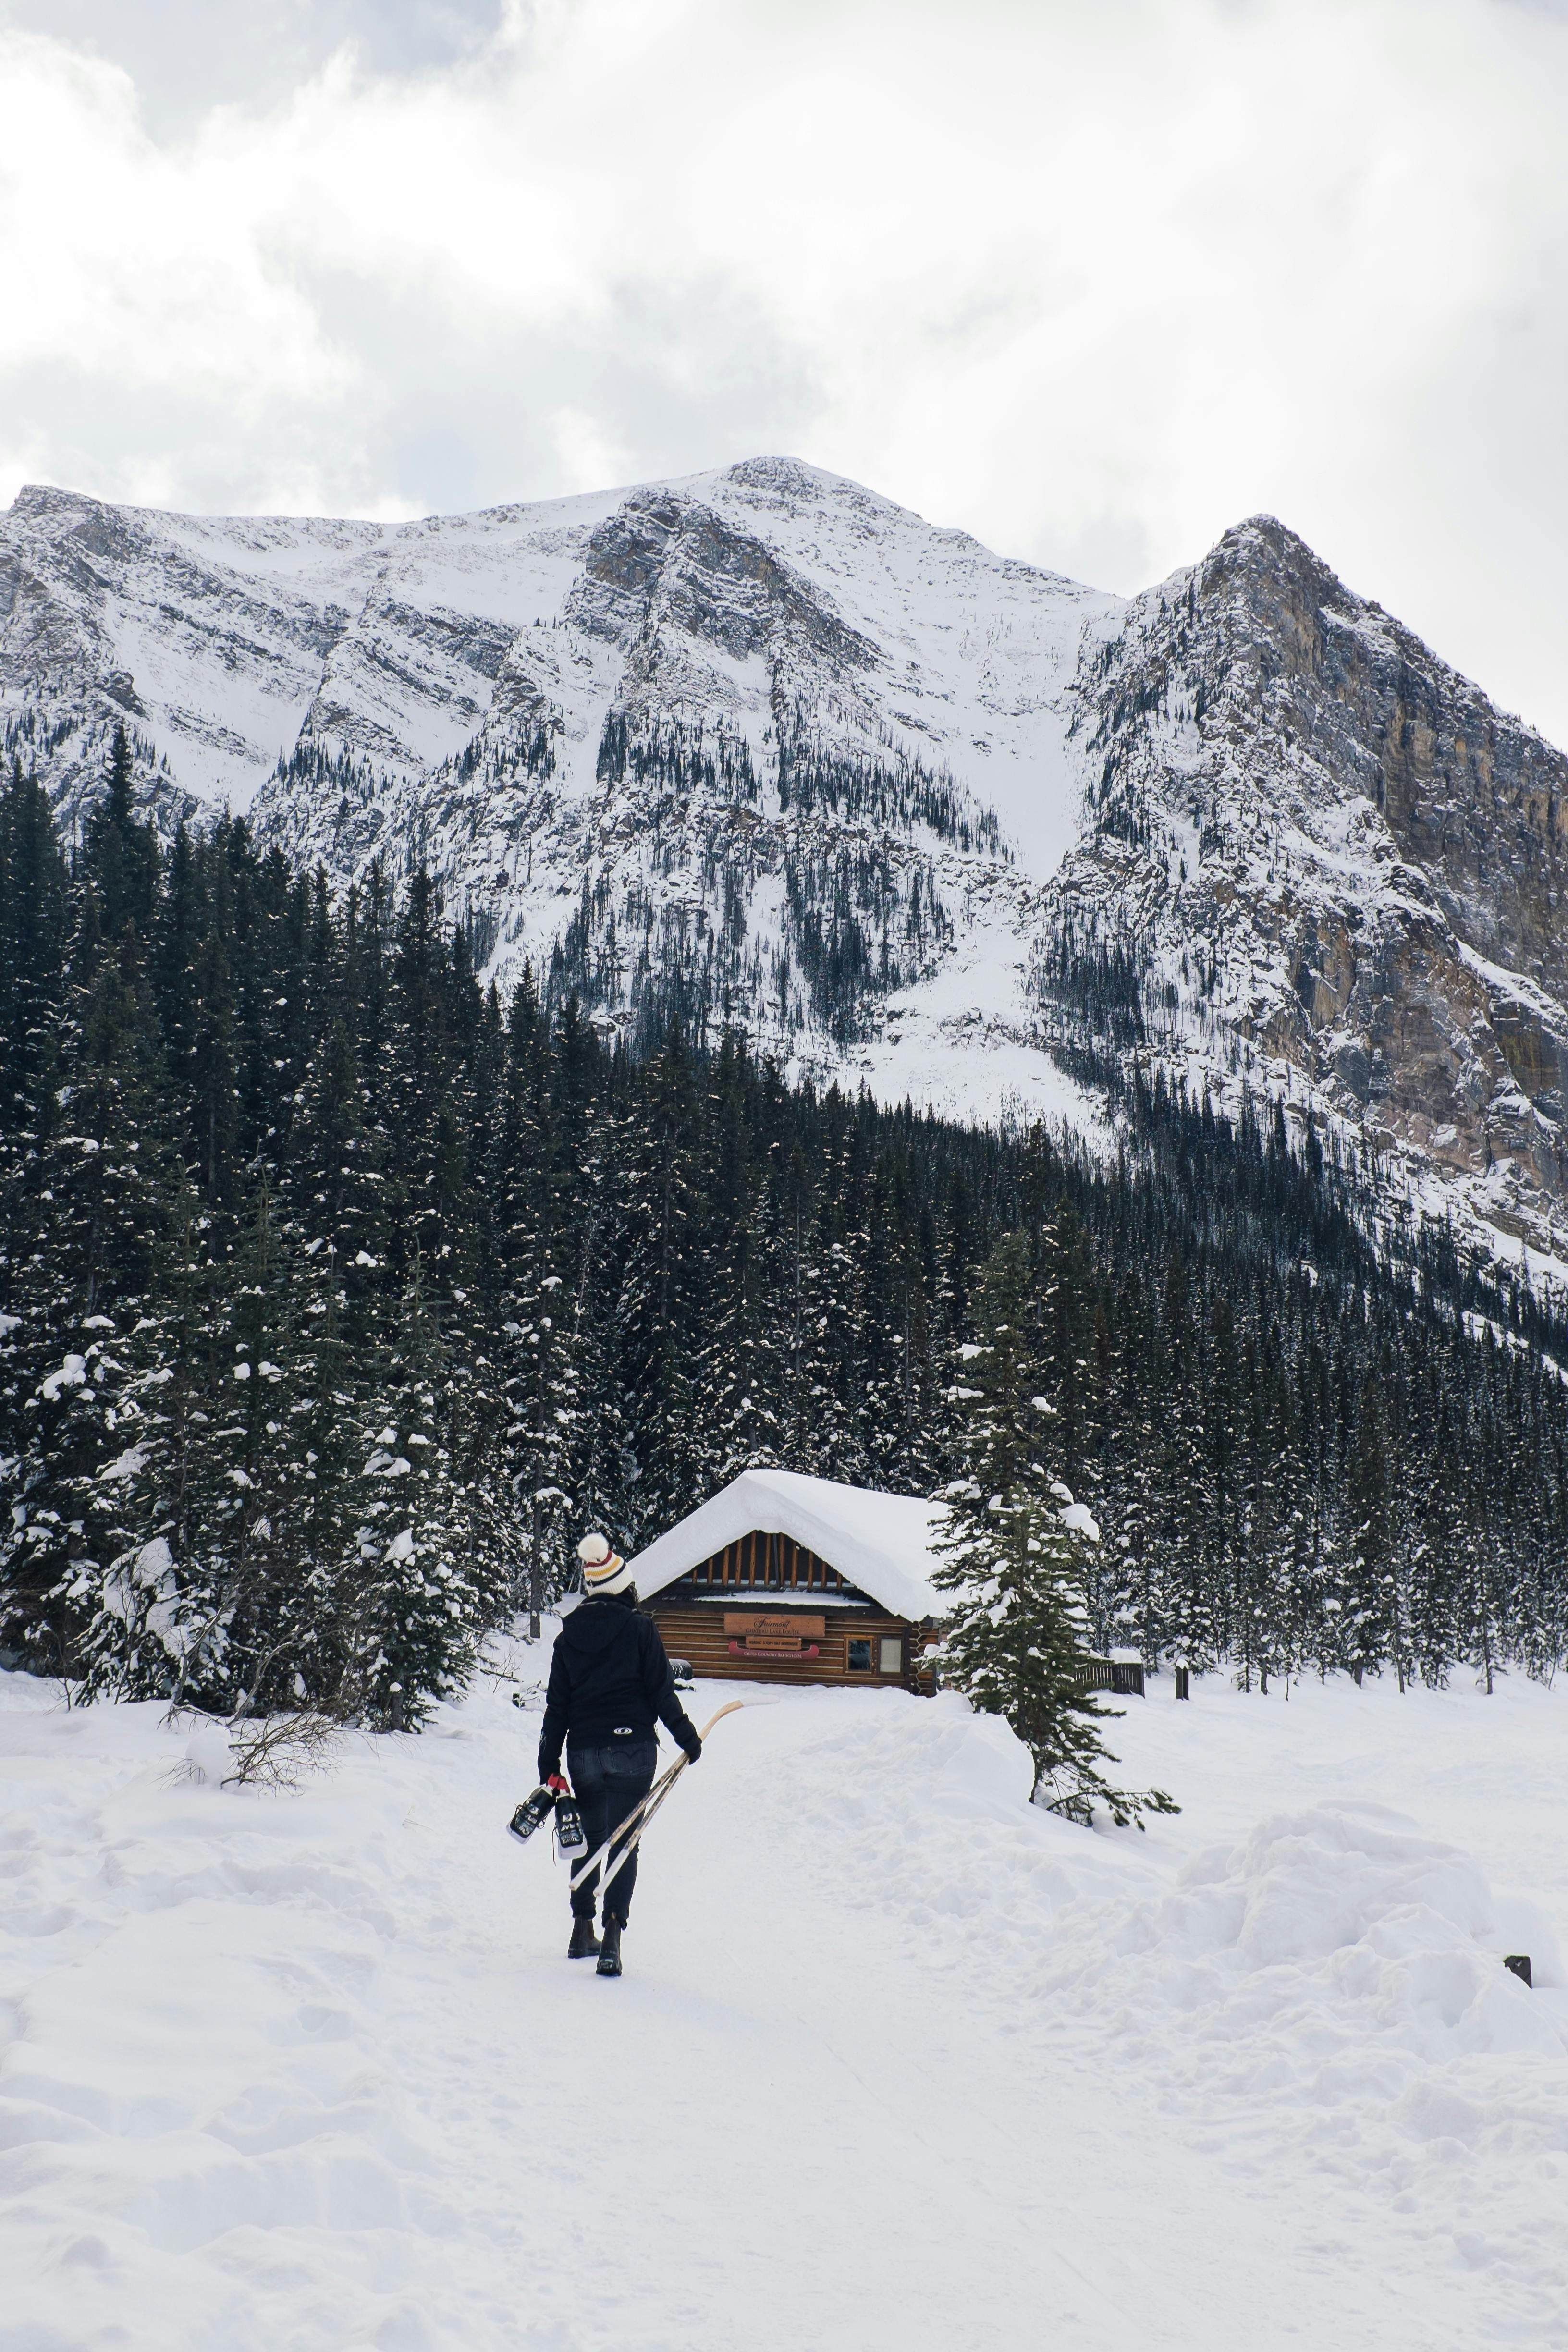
x=339 y=1294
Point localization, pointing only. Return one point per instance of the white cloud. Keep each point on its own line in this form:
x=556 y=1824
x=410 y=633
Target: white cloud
x=589 y=458
x=124 y=260
x=1093 y=279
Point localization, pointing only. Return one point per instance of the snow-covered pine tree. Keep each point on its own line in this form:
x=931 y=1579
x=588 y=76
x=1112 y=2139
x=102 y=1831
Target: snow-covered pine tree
x=538 y=1430
x=795 y=1304
x=1260 y=1538
x=241 y=1486
x=1128 y=1604
x=823 y=1412
x=738 y=1378
x=120 y=852
x=540 y=1376
x=277 y=1329
x=1367 y=1559
x=366 y=954
x=111 y=1193
x=322 y=1389
x=33 y=1033
x=1014 y=1640
x=659 y=1311
x=1221 y=1532
x=335 y=1194
x=923 y=1370
x=595 y=1245
x=1069 y=1375
x=878 y=1245
x=420 y=1593
x=1294 y=1584
x=1186 y=1535
x=193 y=983
x=33 y=929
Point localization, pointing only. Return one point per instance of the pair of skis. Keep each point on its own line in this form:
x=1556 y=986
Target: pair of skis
x=627 y=1836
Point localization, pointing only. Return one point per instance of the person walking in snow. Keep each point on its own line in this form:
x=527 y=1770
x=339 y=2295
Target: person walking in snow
x=610 y=1683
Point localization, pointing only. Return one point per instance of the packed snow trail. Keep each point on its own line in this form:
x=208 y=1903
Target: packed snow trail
x=899 y=2062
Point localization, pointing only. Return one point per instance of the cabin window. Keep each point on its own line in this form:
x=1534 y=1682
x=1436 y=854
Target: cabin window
x=892 y=1649
x=860 y=1657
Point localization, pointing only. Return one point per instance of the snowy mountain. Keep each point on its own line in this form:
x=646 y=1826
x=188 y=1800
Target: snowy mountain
x=761 y=745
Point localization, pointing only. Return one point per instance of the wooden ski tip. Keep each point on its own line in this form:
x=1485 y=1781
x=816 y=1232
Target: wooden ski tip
x=733 y=1707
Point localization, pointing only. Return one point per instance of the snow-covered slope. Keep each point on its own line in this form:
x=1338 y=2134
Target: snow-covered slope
x=756 y=743
x=759 y=746
x=899 y=2063
x=230 y=641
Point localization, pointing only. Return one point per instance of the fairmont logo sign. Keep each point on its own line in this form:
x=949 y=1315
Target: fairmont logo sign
x=756 y=1627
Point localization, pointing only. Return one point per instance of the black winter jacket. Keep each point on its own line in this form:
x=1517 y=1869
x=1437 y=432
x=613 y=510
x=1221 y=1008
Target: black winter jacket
x=608 y=1674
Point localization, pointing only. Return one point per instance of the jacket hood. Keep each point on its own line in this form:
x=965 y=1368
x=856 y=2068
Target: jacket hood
x=593 y=1626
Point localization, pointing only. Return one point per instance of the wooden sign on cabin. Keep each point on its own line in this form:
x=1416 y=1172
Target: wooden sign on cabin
x=782 y=1577
x=763 y=1635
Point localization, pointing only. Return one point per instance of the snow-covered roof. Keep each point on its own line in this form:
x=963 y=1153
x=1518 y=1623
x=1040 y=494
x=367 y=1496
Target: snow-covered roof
x=883 y=1543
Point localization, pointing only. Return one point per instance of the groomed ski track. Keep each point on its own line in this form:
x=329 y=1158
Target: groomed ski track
x=898 y=2062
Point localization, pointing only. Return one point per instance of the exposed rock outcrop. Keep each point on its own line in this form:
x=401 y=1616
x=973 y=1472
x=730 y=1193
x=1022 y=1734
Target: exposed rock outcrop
x=1333 y=852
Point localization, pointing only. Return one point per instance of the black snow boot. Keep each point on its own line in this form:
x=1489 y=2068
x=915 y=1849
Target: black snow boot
x=585 y=1943
x=610 y=1950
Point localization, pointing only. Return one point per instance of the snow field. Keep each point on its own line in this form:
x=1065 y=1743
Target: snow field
x=899 y=2061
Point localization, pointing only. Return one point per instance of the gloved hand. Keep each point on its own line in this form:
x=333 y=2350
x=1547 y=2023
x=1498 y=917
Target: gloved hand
x=693 y=1750
x=562 y=1788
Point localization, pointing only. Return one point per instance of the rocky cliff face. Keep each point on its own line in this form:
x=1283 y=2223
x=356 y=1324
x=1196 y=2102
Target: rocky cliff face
x=1334 y=856
x=760 y=746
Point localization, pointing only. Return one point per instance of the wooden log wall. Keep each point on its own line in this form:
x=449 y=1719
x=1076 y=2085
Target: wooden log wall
x=776 y=1581
x=695 y=1630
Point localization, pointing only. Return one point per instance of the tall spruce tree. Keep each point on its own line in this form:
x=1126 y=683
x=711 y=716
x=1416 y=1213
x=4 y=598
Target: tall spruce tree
x=1015 y=1640
x=111 y=1195
x=658 y=1311
x=421 y=1593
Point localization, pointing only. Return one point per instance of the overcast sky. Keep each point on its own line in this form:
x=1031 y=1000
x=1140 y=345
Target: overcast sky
x=1092 y=278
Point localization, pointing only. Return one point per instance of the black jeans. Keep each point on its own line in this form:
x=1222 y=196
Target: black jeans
x=608 y=1781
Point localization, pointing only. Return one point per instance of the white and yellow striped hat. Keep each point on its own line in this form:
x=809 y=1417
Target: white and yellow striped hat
x=604 y=1570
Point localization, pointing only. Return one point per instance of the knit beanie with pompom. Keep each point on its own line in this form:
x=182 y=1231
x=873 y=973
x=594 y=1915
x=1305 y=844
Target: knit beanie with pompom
x=604 y=1570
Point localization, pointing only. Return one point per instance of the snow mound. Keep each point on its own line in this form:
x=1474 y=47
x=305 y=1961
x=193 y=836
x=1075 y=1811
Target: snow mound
x=1328 y=1999
x=209 y=1754
x=1324 y=1932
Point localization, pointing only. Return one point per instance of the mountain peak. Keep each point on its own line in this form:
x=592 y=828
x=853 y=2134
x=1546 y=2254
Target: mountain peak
x=44 y=499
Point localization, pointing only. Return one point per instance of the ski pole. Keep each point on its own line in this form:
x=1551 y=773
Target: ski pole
x=659 y=1789
x=643 y=1812
x=623 y=1852
x=638 y=1820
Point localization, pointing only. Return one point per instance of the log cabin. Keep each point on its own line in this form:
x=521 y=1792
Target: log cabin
x=779 y=1578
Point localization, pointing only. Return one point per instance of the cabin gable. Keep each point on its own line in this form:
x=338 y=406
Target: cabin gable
x=764 y=1561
